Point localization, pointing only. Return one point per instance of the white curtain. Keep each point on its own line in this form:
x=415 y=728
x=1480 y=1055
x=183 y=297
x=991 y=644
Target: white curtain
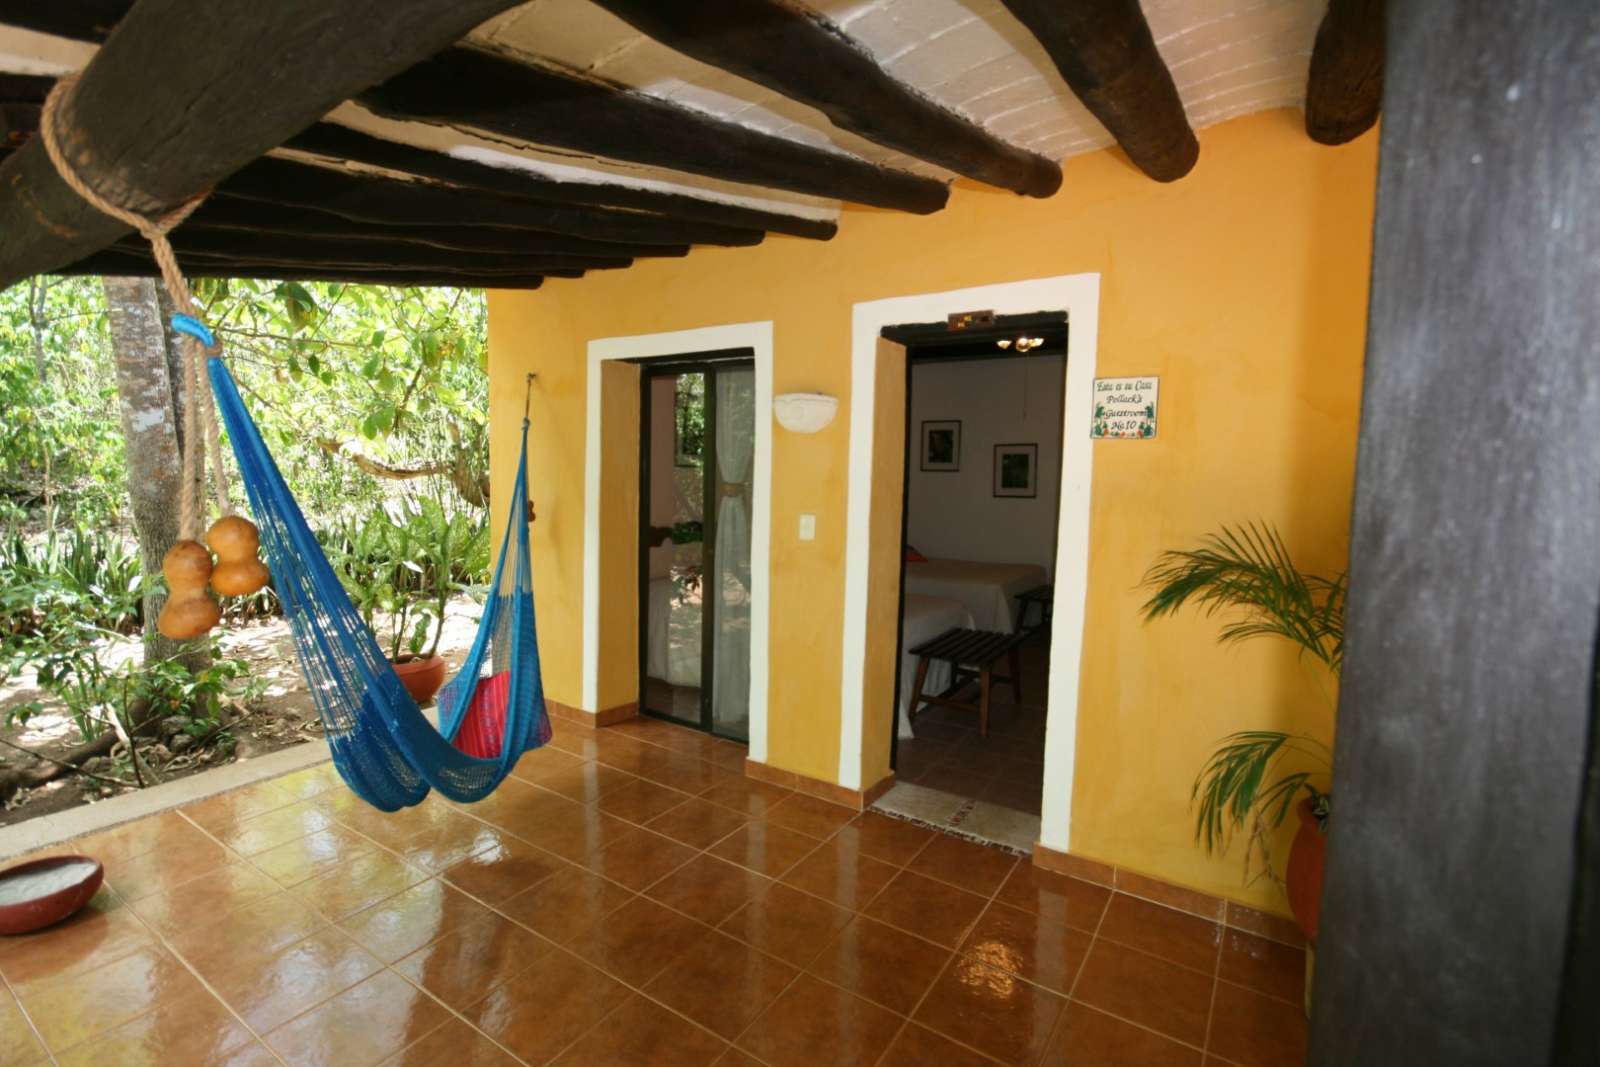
x=729 y=589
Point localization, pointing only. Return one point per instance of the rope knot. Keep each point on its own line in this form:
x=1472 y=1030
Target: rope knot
x=199 y=407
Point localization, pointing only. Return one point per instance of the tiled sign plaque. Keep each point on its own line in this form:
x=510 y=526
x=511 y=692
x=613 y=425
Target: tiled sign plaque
x=1124 y=407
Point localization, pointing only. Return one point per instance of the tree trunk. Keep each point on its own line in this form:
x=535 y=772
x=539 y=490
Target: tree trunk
x=151 y=394
x=37 y=288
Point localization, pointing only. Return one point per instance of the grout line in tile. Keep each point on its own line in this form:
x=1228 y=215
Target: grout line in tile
x=562 y=1051
x=1216 y=979
x=33 y=1028
x=468 y=1022
x=819 y=843
x=1147 y=1028
x=954 y=953
x=1094 y=936
x=1298 y=1002
x=556 y=946
x=210 y=989
x=1072 y=994
x=1157 y=955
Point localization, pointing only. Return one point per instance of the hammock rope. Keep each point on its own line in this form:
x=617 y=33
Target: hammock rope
x=199 y=412
x=386 y=749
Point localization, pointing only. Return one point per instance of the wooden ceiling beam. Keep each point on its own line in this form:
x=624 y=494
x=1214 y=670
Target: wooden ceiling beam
x=1107 y=56
x=79 y=20
x=152 y=143
x=1345 y=86
x=24 y=88
x=797 y=52
x=374 y=199
x=18 y=122
x=341 y=142
x=563 y=109
x=19 y=119
x=92 y=21
x=268 y=248
x=118 y=261
x=223 y=214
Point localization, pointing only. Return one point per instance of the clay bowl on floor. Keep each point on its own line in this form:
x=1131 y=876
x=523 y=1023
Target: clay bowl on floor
x=40 y=893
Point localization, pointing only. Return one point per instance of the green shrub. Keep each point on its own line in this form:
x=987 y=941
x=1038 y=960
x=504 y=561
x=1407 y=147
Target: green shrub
x=93 y=573
x=405 y=560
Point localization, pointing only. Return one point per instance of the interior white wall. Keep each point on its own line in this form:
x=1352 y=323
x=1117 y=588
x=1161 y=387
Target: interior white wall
x=955 y=514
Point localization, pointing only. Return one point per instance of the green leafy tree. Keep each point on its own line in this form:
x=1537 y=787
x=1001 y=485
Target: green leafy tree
x=373 y=400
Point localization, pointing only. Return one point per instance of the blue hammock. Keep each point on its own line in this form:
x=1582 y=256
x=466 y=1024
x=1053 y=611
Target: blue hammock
x=383 y=745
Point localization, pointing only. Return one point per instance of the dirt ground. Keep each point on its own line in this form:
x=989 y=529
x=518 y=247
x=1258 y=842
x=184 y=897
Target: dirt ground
x=284 y=715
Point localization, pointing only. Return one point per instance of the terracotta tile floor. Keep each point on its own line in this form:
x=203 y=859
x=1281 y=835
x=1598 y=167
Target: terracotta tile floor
x=628 y=898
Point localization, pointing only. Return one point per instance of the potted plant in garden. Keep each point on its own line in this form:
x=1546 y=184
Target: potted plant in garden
x=400 y=573
x=1255 y=778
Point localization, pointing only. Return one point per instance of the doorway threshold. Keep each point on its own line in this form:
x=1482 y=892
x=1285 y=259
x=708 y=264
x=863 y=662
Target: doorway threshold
x=976 y=820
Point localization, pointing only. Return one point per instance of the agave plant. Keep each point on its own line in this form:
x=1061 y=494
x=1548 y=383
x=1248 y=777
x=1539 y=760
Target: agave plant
x=1246 y=573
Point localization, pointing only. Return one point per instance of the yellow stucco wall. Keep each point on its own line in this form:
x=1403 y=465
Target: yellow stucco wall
x=1243 y=286
x=619 y=538
x=884 y=556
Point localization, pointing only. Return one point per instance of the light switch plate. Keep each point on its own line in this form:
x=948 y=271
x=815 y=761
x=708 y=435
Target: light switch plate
x=808 y=527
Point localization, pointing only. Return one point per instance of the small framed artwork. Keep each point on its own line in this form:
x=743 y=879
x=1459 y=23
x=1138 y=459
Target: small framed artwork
x=1016 y=470
x=941 y=445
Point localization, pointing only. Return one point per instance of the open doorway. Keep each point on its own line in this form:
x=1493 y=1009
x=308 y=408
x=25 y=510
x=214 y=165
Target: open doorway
x=983 y=452
x=697 y=471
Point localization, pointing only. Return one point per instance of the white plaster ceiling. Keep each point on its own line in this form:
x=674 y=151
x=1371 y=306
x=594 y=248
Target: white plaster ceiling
x=1228 y=58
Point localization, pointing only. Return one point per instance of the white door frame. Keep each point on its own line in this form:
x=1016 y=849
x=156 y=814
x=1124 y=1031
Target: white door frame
x=1079 y=296
x=753 y=335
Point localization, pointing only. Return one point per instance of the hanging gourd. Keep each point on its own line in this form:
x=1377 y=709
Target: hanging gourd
x=190 y=610
x=239 y=572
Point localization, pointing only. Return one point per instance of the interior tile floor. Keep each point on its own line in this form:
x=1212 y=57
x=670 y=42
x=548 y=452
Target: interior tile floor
x=628 y=898
x=1005 y=768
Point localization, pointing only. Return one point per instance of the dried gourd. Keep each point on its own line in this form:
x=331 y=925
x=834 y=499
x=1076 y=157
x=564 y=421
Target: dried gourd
x=190 y=610
x=239 y=571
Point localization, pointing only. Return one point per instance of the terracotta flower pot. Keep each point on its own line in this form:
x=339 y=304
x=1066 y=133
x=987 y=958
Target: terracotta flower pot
x=421 y=677
x=1306 y=857
x=41 y=893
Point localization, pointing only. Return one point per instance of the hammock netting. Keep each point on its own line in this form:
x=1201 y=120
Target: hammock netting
x=388 y=751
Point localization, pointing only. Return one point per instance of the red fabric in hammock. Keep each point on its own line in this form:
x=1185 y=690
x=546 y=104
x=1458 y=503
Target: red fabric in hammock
x=483 y=728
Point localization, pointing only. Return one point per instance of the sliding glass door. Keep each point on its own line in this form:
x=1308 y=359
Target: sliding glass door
x=698 y=451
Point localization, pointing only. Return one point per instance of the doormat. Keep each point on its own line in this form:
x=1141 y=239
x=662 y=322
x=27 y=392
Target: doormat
x=978 y=821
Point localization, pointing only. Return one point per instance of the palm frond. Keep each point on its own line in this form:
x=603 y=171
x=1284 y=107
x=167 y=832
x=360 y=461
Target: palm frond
x=1248 y=569
x=1230 y=786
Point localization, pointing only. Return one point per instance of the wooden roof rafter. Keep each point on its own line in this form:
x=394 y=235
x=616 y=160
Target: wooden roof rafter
x=342 y=143
x=1345 y=86
x=243 y=219
x=1105 y=52
x=543 y=105
x=459 y=158
x=797 y=52
x=152 y=144
x=117 y=260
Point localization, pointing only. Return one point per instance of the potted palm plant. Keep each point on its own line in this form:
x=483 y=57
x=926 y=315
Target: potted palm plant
x=398 y=569
x=1255 y=778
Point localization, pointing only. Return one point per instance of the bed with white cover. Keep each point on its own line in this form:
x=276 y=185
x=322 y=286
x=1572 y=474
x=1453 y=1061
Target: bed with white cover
x=989 y=590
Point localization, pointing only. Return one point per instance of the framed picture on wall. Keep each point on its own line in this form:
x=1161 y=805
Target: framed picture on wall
x=941 y=445
x=1016 y=470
